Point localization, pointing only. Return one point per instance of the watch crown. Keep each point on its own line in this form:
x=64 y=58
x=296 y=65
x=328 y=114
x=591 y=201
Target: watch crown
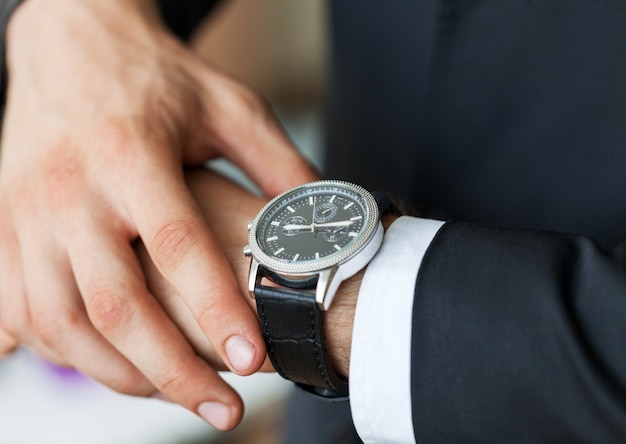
x=249 y=225
x=247 y=252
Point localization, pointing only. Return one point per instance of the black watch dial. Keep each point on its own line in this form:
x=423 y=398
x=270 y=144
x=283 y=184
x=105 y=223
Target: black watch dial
x=311 y=223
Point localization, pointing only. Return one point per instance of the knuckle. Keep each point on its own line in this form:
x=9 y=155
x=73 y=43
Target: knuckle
x=15 y=324
x=172 y=242
x=130 y=383
x=131 y=140
x=7 y=348
x=175 y=379
x=48 y=327
x=109 y=309
x=116 y=138
x=63 y=179
x=123 y=141
x=252 y=103
x=7 y=342
x=214 y=307
x=237 y=101
x=52 y=327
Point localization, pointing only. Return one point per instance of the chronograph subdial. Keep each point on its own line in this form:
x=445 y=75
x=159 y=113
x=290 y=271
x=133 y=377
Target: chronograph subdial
x=335 y=234
x=324 y=212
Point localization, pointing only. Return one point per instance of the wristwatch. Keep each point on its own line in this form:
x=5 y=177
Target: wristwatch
x=303 y=244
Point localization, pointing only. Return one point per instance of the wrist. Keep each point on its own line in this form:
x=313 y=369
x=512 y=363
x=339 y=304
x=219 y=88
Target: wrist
x=126 y=5
x=49 y=41
x=34 y=14
x=339 y=321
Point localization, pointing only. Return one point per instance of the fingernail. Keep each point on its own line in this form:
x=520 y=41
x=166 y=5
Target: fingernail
x=240 y=353
x=216 y=414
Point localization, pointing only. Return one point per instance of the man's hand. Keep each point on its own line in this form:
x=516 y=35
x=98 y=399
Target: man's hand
x=104 y=107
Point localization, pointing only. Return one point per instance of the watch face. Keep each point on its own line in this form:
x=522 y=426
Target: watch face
x=314 y=225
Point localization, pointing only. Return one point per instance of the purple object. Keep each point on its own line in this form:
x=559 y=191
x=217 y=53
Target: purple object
x=64 y=373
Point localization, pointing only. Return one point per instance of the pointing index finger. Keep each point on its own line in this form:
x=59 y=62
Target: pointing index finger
x=187 y=255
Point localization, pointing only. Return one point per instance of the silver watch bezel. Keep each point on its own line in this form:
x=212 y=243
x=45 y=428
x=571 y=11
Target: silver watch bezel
x=372 y=221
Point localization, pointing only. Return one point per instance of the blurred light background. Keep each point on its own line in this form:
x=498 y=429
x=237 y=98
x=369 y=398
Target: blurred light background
x=279 y=48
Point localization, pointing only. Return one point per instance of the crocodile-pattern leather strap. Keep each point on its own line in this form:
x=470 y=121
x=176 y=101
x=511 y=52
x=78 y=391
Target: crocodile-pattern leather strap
x=293 y=328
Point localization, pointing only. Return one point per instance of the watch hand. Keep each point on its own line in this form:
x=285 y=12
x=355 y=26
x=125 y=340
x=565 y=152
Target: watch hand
x=342 y=223
x=313 y=216
x=290 y=227
x=312 y=227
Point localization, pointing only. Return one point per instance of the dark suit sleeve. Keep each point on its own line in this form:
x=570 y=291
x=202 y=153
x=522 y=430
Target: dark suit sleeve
x=183 y=16
x=7 y=8
x=519 y=336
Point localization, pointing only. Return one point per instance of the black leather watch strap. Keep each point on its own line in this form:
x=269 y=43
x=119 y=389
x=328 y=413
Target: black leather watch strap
x=293 y=328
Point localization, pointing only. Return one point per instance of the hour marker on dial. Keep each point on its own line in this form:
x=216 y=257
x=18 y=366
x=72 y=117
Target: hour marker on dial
x=295 y=258
x=332 y=199
x=353 y=234
x=348 y=206
x=356 y=218
x=275 y=223
x=336 y=247
x=277 y=252
x=273 y=238
x=291 y=210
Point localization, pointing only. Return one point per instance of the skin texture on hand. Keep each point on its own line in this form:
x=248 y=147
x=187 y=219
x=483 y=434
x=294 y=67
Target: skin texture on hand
x=227 y=209
x=104 y=108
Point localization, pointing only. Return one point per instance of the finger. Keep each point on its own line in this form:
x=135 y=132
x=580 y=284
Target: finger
x=60 y=322
x=248 y=133
x=177 y=310
x=7 y=342
x=14 y=310
x=186 y=254
x=215 y=194
x=119 y=306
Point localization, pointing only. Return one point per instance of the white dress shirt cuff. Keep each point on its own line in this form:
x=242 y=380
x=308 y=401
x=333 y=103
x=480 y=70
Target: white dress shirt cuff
x=380 y=361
